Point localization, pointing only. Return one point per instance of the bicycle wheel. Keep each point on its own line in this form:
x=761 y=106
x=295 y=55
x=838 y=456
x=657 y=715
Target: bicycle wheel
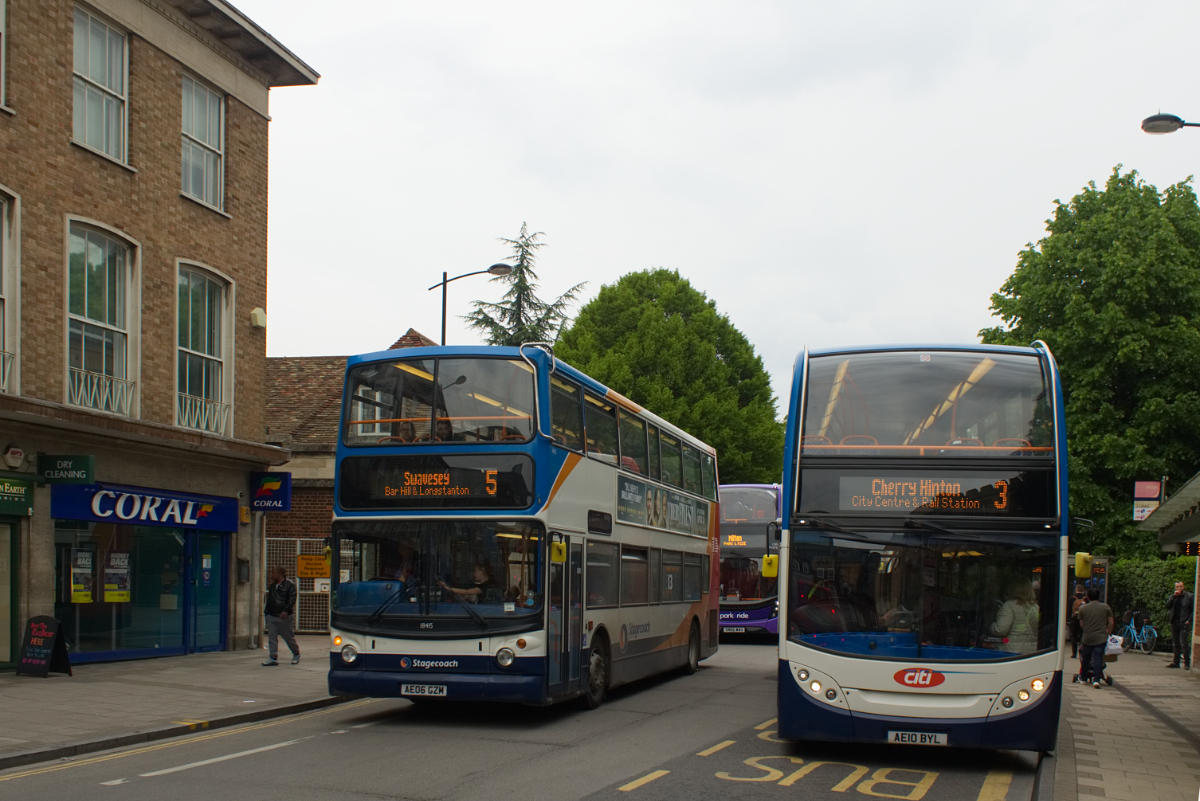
x=1149 y=638
x=1127 y=637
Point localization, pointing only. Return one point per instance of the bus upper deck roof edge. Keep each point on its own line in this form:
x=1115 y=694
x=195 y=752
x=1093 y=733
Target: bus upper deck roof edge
x=573 y=373
x=977 y=347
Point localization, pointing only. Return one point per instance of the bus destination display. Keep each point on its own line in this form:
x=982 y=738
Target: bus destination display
x=900 y=493
x=496 y=481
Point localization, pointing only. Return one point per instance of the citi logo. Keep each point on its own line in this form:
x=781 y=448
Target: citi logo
x=919 y=677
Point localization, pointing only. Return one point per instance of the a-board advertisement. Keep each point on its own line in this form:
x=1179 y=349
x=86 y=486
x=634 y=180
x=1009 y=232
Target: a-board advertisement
x=42 y=648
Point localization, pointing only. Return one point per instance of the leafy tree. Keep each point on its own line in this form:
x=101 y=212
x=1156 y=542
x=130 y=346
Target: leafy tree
x=1142 y=584
x=660 y=342
x=521 y=316
x=1114 y=289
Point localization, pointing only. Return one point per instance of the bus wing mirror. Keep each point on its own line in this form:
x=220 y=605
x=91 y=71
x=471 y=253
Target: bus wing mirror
x=558 y=552
x=770 y=568
x=773 y=530
x=1083 y=565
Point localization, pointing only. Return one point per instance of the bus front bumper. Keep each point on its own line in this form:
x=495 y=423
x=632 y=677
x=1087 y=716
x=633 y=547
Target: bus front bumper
x=1032 y=729
x=459 y=686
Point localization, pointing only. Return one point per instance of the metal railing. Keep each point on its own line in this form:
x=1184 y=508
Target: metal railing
x=102 y=392
x=203 y=414
x=6 y=363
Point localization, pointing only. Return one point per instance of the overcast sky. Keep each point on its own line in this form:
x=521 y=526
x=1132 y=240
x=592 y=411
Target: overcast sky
x=828 y=173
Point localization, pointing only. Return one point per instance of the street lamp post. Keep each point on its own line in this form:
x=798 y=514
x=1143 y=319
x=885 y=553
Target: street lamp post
x=495 y=269
x=1165 y=124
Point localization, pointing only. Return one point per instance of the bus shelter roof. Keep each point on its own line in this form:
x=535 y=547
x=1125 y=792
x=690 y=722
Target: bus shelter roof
x=1177 y=519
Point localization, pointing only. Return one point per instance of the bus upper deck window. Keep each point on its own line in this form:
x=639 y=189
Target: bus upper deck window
x=633 y=442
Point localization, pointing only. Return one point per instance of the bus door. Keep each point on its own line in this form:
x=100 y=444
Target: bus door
x=564 y=626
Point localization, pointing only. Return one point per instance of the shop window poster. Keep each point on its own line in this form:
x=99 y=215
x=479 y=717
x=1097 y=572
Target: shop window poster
x=81 y=576
x=116 y=578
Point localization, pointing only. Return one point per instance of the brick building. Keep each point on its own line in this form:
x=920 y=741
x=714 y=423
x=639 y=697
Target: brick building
x=304 y=403
x=133 y=271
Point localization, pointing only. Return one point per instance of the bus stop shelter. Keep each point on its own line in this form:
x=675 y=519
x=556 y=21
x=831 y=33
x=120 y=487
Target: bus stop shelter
x=1176 y=522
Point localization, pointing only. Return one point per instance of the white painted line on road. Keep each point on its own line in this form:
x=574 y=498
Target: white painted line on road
x=214 y=760
x=766 y=725
x=716 y=748
x=365 y=725
x=649 y=777
x=114 y=782
x=995 y=786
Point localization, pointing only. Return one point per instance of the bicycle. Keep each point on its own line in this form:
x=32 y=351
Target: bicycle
x=1138 y=632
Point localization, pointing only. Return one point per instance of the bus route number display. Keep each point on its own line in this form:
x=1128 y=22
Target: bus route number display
x=492 y=481
x=965 y=495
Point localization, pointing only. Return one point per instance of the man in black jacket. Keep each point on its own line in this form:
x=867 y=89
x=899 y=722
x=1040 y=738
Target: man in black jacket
x=281 y=606
x=1181 y=608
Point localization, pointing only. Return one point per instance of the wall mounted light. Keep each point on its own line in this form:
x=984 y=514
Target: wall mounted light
x=258 y=318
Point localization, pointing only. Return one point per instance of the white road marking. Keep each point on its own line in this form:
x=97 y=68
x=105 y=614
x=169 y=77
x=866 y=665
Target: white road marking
x=214 y=760
x=365 y=725
x=114 y=782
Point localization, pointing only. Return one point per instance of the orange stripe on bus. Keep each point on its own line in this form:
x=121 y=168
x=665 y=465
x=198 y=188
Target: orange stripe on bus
x=569 y=465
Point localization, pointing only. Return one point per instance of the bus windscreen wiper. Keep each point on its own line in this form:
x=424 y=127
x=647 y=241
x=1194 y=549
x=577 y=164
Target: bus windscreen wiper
x=374 y=618
x=479 y=619
x=816 y=522
x=945 y=532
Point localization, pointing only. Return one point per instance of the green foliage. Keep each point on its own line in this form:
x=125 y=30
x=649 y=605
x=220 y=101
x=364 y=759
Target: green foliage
x=660 y=342
x=1146 y=584
x=521 y=316
x=1114 y=289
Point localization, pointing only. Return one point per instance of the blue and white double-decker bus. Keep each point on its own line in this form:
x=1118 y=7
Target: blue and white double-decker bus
x=509 y=529
x=924 y=550
x=749 y=559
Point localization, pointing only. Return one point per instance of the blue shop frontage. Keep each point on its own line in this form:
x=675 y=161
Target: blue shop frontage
x=141 y=572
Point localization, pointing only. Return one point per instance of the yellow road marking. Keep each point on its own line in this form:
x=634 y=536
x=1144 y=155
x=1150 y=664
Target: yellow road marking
x=995 y=786
x=716 y=748
x=649 y=777
x=768 y=724
x=179 y=742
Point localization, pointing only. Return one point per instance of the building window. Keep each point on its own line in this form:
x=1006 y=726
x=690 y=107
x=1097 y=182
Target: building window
x=99 y=85
x=99 y=270
x=201 y=362
x=371 y=405
x=202 y=142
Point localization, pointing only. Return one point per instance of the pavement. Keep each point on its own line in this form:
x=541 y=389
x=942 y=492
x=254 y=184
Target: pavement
x=115 y=704
x=1137 y=740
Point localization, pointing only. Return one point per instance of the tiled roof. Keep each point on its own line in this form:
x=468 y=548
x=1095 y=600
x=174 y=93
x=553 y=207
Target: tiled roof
x=413 y=339
x=304 y=397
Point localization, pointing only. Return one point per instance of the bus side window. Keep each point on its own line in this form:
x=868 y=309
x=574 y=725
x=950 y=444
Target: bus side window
x=672 y=462
x=566 y=414
x=691 y=577
x=710 y=477
x=655 y=472
x=601 y=426
x=601 y=574
x=655 y=576
x=634 y=567
x=672 y=577
x=633 y=442
x=691 y=469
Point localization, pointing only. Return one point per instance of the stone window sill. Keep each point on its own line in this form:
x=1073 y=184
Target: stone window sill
x=101 y=154
x=208 y=206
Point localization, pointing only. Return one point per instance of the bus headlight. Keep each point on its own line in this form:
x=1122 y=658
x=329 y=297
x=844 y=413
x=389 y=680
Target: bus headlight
x=505 y=657
x=831 y=694
x=803 y=675
x=1038 y=685
x=349 y=654
x=815 y=686
x=1023 y=695
x=1006 y=702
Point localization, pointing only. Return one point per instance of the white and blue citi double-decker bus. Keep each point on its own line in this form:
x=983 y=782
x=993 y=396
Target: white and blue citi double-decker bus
x=922 y=562
x=509 y=529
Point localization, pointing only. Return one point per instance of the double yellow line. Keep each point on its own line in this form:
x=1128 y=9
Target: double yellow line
x=175 y=743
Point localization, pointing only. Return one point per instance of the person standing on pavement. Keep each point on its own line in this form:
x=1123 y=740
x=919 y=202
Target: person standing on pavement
x=1181 y=607
x=281 y=606
x=1096 y=620
x=1073 y=618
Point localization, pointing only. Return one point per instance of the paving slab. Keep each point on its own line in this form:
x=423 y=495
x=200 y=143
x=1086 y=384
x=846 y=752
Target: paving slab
x=113 y=704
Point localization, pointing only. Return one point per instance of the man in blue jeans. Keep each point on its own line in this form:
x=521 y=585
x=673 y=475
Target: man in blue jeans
x=1096 y=620
x=280 y=607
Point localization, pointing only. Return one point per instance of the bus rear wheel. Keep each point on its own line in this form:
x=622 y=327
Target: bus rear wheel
x=597 y=675
x=693 y=651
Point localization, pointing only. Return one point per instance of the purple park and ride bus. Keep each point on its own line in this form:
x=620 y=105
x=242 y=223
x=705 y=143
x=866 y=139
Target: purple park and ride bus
x=749 y=558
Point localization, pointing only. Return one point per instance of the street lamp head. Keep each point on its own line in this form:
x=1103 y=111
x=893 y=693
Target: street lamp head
x=500 y=269
x=1162 y=124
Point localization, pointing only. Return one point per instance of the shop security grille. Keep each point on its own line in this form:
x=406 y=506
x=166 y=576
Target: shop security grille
x=312 y=599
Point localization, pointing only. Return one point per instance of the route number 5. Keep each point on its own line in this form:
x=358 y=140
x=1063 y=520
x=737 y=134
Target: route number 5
x=491 y=482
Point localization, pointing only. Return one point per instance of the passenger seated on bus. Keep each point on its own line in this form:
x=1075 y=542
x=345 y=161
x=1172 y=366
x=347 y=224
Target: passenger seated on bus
x=484 y=589
x=445 y=430
x=407 y=432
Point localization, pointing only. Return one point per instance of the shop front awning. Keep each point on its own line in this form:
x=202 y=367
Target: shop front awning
x=1177 y=519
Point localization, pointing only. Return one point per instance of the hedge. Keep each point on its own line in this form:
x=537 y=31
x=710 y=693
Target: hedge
x=1146 y=584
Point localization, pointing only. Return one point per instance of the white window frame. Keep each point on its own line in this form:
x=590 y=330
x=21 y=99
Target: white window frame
x=218 y=201
x=123 y=97
x=228 y=349
x=365 y=411
x=10 y=286
x=4 y=55
x=133 y=312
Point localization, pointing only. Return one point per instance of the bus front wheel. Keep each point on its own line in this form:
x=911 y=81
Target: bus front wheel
x=597 y=675
x=693 y=651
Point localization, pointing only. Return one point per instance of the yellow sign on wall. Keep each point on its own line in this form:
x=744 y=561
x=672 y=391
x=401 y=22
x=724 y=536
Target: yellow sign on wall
x=311 y=566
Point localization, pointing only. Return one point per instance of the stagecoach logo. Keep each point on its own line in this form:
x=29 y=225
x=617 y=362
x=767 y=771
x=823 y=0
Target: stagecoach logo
x=919 y=677
x=406 y=663
x=632 y=632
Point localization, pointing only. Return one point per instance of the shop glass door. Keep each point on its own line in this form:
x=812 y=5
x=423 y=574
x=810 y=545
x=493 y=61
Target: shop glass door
x=8 y=586
x=209 y=586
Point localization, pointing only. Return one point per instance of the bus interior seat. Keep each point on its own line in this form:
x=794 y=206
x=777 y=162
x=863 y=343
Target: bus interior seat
x=858 y=439
x=1012 y=442
x=815 y=439
x=968 y=442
